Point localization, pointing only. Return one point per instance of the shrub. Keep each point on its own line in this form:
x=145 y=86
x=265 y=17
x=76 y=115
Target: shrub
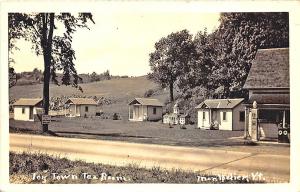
x=149 y=93
x=182 y=127
x=115 y=116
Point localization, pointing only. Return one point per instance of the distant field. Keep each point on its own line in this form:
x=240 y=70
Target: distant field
x=115 y=88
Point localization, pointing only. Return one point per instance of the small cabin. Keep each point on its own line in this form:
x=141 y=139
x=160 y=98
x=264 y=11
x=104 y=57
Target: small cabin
x=26 y=109
x=222 y=114
x=81 y=107
x=144 y=109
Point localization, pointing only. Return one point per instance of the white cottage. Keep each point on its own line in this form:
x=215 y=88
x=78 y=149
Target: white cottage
x=25 y=109
x=222 y=114
x=144 y=109
x=81 y=107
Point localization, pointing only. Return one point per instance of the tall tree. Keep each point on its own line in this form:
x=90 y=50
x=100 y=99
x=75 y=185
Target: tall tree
x=201 y=65
x=240 y=35
x=170 y=59
x=56 y=48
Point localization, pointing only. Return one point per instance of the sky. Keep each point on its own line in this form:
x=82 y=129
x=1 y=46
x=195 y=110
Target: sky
x=121 y=41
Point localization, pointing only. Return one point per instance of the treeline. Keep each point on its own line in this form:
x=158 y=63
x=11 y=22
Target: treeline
x=29 y=78
x=36 y=77
x=216 y=65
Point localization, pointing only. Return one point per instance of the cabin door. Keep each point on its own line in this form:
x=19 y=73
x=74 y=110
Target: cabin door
x=136 y=112
x=31 y=112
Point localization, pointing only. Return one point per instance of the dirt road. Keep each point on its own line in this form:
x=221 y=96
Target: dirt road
x=274 y=168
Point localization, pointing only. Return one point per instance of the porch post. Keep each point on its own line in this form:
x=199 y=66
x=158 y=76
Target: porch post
x=209 y=118
x=142 y=112
x=129 y=112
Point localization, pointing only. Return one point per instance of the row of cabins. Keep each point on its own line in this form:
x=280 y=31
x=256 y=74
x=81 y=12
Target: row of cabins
x=221 y=112
x=27 y=109
x=267 y=107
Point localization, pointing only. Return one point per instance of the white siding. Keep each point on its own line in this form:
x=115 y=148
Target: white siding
x=237 y=124
x=203 y=123
x=79 y=110
x=91 y=110
x=18 y=115
x=144 y=113
x=226 y=124
x=72 y=110
x=154 y=117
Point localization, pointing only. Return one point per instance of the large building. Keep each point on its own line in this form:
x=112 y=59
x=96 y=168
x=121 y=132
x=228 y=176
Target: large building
x=222 y=114
x=268 y=106
x=144 y=109
x=25 y=109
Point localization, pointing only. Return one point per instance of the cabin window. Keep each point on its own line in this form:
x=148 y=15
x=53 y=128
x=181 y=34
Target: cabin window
x=154 y=110
x=242 y=116
x=23 y=110
x=203 y=115
x=224 y=116
x=86 y=109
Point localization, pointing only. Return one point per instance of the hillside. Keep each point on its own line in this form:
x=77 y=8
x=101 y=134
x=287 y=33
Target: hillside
x=121 y=91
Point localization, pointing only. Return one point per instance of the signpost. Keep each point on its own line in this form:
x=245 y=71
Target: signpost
x=46 y=119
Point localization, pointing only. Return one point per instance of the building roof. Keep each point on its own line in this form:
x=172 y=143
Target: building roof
x=82 y=101
x=270 y=69
x=220 y=103
x=146 y=101
x=270 y=98
x=28 y=102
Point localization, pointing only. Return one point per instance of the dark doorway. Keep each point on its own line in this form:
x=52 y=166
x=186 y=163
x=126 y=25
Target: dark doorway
x=31 y=112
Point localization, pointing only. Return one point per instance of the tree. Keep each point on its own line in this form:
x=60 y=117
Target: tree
x=201 y=65
x=240 y=35
x=56 y=49
x=170 y=59
x=94 y=77
x=12 y=77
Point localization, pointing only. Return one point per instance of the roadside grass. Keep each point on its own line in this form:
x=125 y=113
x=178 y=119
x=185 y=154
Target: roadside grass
x=138 y=132
x=23 y=167
x=147 y=133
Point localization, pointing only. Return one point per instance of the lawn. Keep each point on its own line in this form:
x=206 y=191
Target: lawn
x=147 y=132
x=29 y=168
x=141 y=132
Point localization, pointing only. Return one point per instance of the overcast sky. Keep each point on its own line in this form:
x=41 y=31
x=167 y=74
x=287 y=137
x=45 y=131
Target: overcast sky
x=121 y=41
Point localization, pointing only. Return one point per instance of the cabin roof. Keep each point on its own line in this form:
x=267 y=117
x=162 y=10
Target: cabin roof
x=270 y=69
x=28 y=102
x=147 y=102
x=82 y=101
x=220 y=103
